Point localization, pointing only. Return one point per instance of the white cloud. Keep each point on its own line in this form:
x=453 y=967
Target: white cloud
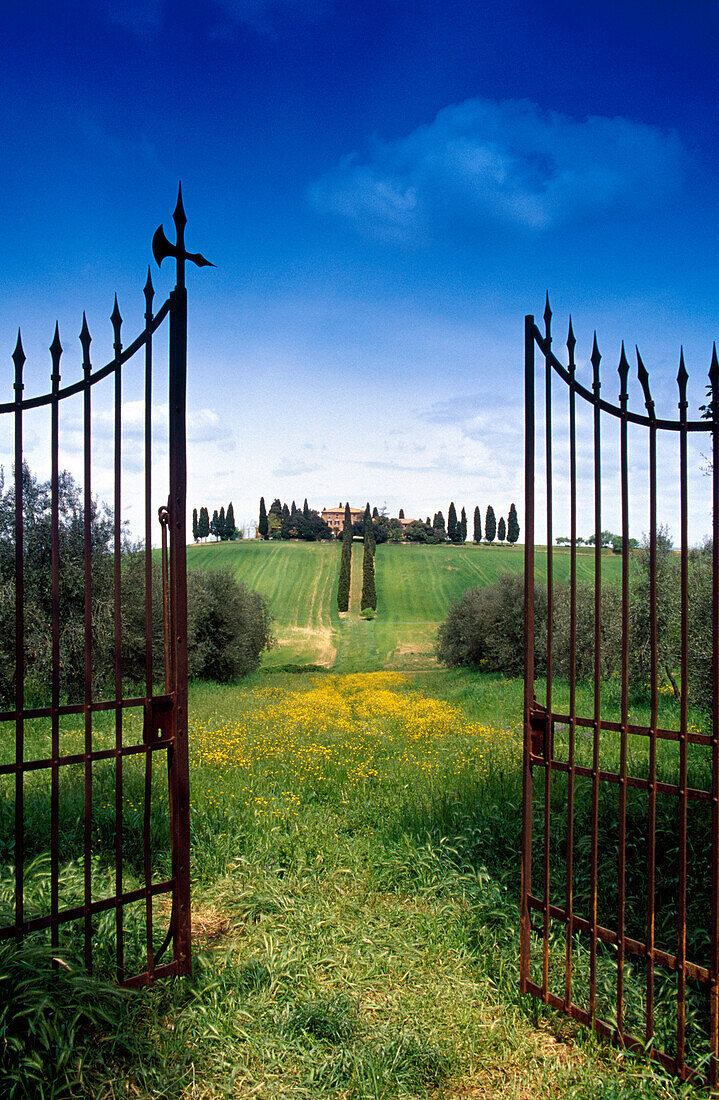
x=483 y=163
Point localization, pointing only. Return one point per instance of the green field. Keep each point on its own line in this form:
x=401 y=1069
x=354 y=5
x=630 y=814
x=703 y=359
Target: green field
x=416 y=586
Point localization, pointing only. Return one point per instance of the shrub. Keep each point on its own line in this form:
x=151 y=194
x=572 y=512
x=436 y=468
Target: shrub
x=485 y=628
x=228 y=626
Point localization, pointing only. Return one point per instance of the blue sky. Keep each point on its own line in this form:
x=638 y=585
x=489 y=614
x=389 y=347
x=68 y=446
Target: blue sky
x=386 y=189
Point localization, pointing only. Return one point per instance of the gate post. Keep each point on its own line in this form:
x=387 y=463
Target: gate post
x=527 y=789
x=178 y=598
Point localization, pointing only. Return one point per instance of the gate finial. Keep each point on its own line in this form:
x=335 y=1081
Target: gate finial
x=596 y=359
x=643 y=376
x=55 y=352
x=85 y=341
x=571 y=344
x=18 y=358
x=623 y=370
x=161 y=247
x=682 y=379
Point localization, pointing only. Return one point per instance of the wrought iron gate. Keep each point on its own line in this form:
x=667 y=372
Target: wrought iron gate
x=620 y=836
x=141 y=918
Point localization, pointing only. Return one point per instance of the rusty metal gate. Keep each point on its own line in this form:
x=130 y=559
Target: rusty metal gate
x=620 y=834
x=49 y=795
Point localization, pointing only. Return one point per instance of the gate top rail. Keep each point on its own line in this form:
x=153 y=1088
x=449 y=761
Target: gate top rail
x=648 y=419
x=92 y=378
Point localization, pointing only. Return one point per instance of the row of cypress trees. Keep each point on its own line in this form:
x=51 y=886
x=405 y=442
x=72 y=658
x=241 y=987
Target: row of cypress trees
x=222 y=524
x=502 y=531
x=368 y=598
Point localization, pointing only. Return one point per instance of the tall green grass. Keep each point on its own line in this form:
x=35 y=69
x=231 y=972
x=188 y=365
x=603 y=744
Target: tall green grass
x=355 y=860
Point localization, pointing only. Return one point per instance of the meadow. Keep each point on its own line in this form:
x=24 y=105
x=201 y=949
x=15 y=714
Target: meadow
x=355 y=865
x=416 y=584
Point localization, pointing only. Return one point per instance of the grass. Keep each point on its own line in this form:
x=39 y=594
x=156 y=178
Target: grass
x=355 y=866
x=416 y=587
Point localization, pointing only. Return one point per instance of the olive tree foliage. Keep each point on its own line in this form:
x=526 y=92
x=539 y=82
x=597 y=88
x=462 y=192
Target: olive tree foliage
x=485 y=629
x=236 y=620
x=37 y=568
x=229 y=626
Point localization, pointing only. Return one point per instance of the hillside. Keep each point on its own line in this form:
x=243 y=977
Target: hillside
x=416 y=586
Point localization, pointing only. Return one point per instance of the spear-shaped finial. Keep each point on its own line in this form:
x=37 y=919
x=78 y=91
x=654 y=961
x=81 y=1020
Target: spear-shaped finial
x=55 y=352
x=85 y=341
x=116 y=326
x=18 y=358
x=623 y=370
x=149 y=292
x=548 y=319
x=714 y=380
x=682 y=379
x=571 y=344
x=596 y=359
x=643 y=376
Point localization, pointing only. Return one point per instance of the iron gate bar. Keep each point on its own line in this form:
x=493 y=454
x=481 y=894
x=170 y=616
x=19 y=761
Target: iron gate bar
x=572 y=663
x=19 y=360
x=714 y=994
x=596 y=385
x=85 y=340
x=654 y=699
x=164 y=722
x=147 y=712
x=548 y=748
x=540 y=721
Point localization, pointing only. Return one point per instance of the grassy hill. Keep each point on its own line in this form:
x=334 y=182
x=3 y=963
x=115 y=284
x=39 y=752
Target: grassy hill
x=416 y=587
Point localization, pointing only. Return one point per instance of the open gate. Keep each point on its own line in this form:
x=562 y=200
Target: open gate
x=620 y=834
x=89 y=769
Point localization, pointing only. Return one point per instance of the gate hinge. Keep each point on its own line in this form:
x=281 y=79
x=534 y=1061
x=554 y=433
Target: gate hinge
x=538 y=726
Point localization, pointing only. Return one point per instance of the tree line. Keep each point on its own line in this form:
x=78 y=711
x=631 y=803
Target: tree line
x=228 y=624
x=485 y=628
x=222 y=525
x=455 y=529
x=283 y=522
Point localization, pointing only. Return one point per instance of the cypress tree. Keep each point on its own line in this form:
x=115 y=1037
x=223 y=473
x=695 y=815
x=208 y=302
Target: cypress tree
x=438 y=525
x=203 y=524
x=375 y=512
x=369 y=591
x=194 y=525
x=490 y=525
x=230 y=529
x=285 y=512
x=452 y=523
x=293 y=510
x=367 y=524
x=221 y=527
x=401 y=513
x=215 y=524
x=305 y=510
x=274 y=518
x=512 y=525
x=477 y=525
x=343 y=587
x=463 y=526
x=263 y=525
x=501 y=530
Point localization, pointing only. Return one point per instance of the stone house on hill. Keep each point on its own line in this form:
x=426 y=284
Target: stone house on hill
x=335 y=517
